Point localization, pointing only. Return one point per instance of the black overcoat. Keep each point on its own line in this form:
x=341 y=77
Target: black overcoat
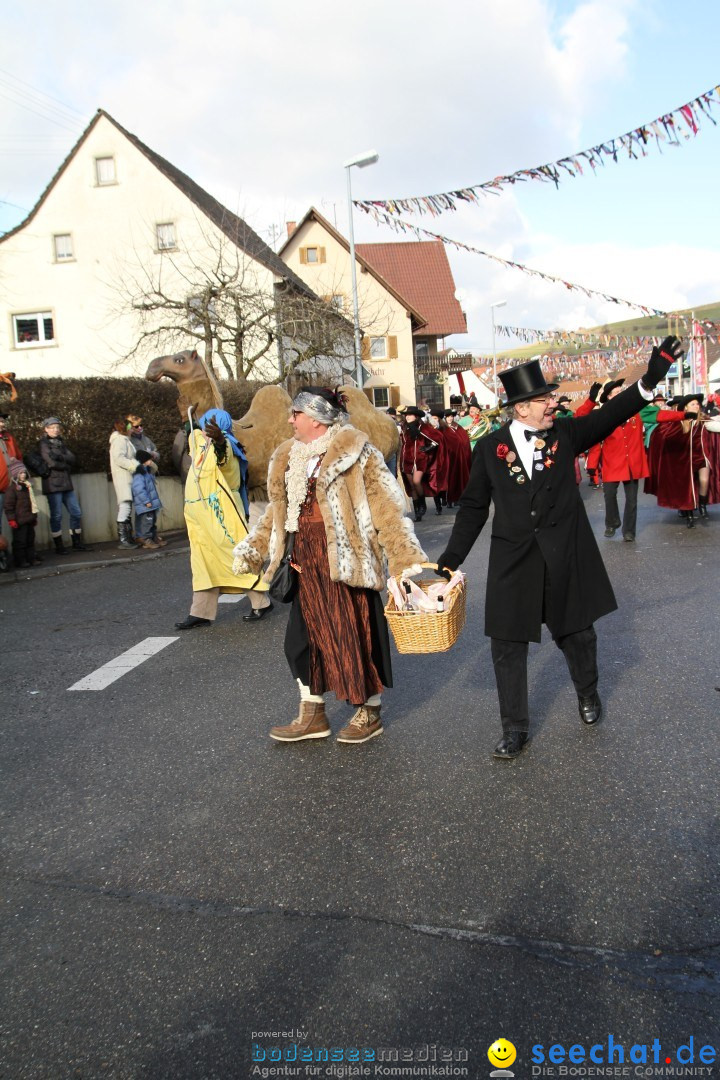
x=539 y=527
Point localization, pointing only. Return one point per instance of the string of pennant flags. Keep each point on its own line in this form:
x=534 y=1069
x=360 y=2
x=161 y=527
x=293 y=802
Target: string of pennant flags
x=581 y=338
x=672 y=128
x=398 y=225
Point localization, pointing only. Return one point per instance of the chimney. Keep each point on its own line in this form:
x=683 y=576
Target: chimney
x=291 y=227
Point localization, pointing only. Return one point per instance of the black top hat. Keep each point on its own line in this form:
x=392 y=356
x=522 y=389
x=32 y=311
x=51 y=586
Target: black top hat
x=524 y=382
x=608 y=388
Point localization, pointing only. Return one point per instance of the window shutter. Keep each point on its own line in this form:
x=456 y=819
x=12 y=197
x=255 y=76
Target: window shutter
x=365 y=349
x=369 y=395
x=395 y=396
x=321 y=254
x=392 y=347
x=303 y=256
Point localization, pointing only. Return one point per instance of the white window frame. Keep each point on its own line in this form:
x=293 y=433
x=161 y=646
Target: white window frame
x=160 y=243
x=40 y=317
x=59 y=255
x=99 y=180
x=383 y=391
x=377 y=355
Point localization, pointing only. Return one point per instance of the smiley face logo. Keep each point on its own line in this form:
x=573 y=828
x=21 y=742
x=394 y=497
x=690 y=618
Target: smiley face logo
x=502 y=1054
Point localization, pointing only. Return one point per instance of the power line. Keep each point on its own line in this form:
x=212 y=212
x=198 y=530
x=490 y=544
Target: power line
x=42 y=93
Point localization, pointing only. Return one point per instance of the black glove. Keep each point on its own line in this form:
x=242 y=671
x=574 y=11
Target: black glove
x=661 y=360
x=595 y=390
x=447 y=564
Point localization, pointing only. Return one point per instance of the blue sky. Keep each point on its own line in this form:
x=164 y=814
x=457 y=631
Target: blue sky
x=261 y=104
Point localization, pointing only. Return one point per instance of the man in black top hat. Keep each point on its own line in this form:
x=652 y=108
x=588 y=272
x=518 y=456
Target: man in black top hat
x=544 y=565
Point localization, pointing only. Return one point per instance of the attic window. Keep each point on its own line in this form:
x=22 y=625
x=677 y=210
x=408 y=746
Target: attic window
x=63 y=247
x=312 y=255
x=165 y=236
x=105 y=170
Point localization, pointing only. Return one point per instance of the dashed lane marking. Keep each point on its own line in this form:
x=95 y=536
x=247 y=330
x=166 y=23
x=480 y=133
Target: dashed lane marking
x=121 y=665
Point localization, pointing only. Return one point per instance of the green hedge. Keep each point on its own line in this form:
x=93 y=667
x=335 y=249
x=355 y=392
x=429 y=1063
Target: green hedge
x=88 y=408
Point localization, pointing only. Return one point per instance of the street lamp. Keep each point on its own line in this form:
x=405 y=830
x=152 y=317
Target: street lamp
x=498 y=303
x=361 y=161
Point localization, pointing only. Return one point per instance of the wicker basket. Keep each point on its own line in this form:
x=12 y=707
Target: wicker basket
x=428 y=632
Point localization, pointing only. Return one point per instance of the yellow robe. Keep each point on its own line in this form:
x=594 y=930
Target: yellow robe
x=215 y=520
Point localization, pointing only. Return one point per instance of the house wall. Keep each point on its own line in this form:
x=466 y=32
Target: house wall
x=381 y=315
x=113 y=229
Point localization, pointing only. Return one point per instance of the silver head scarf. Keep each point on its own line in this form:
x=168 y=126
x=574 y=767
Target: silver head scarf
x=317 y=408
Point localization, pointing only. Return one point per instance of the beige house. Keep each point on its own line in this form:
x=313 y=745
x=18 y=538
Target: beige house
x=120 y=243
x=406 y=301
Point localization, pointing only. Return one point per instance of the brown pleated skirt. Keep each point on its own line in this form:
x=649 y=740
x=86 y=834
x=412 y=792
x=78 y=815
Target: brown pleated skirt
x=337 y=637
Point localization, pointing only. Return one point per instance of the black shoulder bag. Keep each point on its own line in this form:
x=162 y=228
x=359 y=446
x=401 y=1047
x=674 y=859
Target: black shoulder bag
x=284 y=581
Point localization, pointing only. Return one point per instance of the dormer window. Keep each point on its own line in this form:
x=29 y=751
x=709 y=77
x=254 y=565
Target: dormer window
x=165 y=236
x=105 y=171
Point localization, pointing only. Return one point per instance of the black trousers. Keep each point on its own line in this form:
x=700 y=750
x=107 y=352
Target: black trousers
x=612 y=514
x=510 y=664
x=23 y=544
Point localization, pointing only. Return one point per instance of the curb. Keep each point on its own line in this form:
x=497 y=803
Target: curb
x=55 y=571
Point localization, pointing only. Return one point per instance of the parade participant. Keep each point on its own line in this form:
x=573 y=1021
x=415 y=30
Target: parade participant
x=623 y=461
x=330 y=490
x=648 y=415
x=422 y=459
x=562 y=409
x=475 y=424
x=459 y=467
x=544 y=564
x=684 y=459
x=216 y=518
x=447 y=444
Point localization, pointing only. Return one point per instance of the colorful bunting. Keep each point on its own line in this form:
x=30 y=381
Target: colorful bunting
x=681 y=124
x=406 y=226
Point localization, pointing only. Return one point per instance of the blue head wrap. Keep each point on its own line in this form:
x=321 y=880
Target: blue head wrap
x=223 y=420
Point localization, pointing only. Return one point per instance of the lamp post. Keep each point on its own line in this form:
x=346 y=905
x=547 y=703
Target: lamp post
x=361 y=161
x=498 y=303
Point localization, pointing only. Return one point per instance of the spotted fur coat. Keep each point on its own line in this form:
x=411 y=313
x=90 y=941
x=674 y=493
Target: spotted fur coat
x=362 y=507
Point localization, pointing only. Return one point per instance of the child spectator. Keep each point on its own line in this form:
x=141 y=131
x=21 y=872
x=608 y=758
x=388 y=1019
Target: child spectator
x=146 y=503
x=21 y=510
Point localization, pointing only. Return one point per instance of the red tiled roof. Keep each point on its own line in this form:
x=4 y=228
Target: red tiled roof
x=421 y=273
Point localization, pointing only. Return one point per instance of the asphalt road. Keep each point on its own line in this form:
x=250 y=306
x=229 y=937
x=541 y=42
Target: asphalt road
x=176 y=886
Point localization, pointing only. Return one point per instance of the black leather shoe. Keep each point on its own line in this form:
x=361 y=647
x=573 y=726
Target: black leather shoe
x=629 y=537
x=590 y=708
x=610 y=532
x=258 y=613
x=191 y=622
x=510 y=745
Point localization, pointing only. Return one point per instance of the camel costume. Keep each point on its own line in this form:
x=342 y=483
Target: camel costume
x=347 y=512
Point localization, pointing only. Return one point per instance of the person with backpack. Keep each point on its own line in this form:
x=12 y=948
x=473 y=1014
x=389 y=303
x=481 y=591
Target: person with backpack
x=58 y=487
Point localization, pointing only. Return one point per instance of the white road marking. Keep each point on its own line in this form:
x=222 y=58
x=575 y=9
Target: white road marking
x=120 y=666
x=231 y=598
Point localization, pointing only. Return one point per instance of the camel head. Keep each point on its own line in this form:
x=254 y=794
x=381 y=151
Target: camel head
x=195 y=381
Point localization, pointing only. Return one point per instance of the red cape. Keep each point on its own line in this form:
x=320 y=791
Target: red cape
x=675 y=456
x=457 y=442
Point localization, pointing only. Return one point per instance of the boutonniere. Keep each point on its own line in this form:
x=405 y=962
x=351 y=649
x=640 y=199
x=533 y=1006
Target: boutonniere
x=503 y=451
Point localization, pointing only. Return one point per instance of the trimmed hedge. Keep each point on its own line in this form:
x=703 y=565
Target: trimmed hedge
x=89 y=407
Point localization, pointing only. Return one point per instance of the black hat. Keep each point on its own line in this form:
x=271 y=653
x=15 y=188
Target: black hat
x=414 y=410
x=524 y=382
x=440 y=413
x=143 y=456
x=451 y=412
x=456 y=399
x=564 y=397
x=608 y=388
x=392 y=411
x=682 y=403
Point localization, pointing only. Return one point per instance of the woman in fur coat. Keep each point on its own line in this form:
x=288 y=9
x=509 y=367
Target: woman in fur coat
x=330 y=488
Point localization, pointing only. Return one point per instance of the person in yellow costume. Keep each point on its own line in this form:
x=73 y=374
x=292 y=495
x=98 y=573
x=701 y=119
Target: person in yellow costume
x=216 y=513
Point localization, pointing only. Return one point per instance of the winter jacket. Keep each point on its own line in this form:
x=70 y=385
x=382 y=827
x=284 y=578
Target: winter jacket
x=363 y=510
x=18 y=506
x=123 y=464
x=8 y=449
x=59 y=461
x=144 y=491
x=142 y=442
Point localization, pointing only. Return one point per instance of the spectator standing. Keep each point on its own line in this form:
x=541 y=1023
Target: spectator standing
x=146 y=502
x=21 y=510
x=140 y=440
x=123 y=463
x=58 y=486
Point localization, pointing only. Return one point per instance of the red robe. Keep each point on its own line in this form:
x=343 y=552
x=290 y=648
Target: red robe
x=426 y=454
x=457 y=442
x=676 y=455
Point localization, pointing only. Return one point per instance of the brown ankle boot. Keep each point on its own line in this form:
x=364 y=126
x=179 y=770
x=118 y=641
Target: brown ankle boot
x=365 y=724
x=310 y=723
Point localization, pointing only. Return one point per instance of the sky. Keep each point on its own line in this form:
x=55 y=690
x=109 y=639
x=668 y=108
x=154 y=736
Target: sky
x=262 y=103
